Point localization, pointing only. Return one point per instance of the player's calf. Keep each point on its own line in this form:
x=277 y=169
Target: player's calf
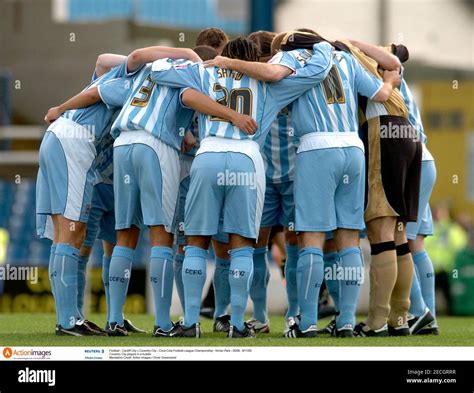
x=194 y=278
x=310 y=274
x=161 y=278
x=400 y=298
x=240 y=276
x=258 y=289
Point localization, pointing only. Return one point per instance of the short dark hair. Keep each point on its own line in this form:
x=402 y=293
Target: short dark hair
x=205 y=52
x=300 y=40
x=263 y=39
x=305 y=30
x=241 y=48
x=303 y=40
x=401 y=51
x=213 y=37
x=276 y=42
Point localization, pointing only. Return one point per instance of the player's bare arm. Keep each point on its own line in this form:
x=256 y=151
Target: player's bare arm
x=82 y=100
x=391 y=80
x=106 y=61
x=385 y=59
x=262 y=71
x=147 y=55
x=201 y=103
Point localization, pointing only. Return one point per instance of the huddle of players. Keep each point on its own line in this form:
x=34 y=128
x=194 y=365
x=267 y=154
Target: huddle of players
x=300 y=110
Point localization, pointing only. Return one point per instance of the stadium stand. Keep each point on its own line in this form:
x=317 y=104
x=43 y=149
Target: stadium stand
x=184 y=13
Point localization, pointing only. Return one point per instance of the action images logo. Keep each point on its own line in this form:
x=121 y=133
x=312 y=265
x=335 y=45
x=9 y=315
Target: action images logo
x=25 y=353
x=7 y=353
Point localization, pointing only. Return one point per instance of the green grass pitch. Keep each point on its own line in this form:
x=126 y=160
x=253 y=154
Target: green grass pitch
x=38 y=330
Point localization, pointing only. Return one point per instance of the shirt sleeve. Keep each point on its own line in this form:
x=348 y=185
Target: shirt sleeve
x=177 y=75
x=114 y=92
x=94 y=77
x=121 y=70
x=181 y=92
x=285 y=59
x=366 y=84
x=115 y=72
x=315 y=71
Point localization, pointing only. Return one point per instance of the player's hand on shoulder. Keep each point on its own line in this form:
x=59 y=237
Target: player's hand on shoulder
x=245 y=123
x=218 y=61
x=53 y=114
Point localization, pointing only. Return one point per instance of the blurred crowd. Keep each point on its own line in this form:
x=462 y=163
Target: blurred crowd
x=452 y=251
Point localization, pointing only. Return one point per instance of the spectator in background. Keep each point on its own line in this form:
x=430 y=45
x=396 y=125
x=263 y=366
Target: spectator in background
x=448 y=239
x=462 y=284
x=4 y=239
x=465 y=221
